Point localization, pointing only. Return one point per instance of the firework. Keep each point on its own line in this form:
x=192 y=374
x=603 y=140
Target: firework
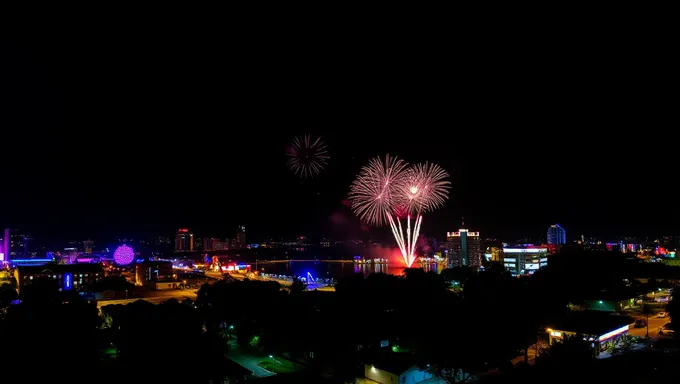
x=425 y=188
x=307 y=157
x=123 y=255
x=372 y=194
x=389 y=191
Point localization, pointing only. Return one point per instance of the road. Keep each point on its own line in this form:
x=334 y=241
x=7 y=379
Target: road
x=654 y=323
x=247 y=361
x=159 y=297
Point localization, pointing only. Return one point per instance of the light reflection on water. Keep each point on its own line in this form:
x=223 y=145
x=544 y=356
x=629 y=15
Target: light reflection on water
x=338 y=270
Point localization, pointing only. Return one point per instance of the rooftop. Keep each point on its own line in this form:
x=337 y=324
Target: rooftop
x=59 y=268
x=590 y=322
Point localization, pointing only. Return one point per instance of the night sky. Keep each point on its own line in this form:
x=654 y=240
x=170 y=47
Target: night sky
x=112 y=131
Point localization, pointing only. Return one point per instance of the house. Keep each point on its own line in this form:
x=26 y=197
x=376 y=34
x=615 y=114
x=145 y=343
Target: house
x=395 y=372
x=597 y=327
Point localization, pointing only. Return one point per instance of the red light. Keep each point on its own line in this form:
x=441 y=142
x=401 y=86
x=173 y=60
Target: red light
x=183 y=230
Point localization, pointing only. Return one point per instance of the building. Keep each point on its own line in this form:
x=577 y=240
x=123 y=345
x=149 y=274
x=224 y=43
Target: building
x=557 y=235
x=464 y=248
x=184 y=241
x=4 y=253
x=395 y=372
x=158 y=275
x=240 y=240
x=525 y=260
x=598 y=328
x=88 y=245
x=69 y=276
x=213 y=244
x=493 y=254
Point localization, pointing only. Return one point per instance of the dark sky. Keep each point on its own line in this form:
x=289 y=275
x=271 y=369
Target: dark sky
x=112 y=129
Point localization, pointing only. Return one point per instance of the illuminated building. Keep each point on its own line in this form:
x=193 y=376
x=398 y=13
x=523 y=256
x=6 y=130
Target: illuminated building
x=87 y=246
x=69 y=276
x=493 y=254
x=557 y=235
x=5 y=245
x=14 y=244
x=524 y=261
x=184 y=241
x=597 y=328
x=158 y=275
x=464 y=248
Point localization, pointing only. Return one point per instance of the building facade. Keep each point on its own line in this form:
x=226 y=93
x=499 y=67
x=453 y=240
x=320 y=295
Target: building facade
x=184 y=241
x=69 y=276
x=464 y=249
x=525 y=260
x=157 y=275
x=557 y=235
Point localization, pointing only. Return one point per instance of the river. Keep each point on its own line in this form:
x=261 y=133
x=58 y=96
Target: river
x=323 y=270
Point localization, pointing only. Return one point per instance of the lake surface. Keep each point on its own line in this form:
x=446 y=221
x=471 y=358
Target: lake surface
x=321 y=270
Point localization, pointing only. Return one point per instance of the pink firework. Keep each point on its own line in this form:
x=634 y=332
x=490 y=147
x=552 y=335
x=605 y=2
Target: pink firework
x=371 y=195
x=425 y=188
x=386 y=192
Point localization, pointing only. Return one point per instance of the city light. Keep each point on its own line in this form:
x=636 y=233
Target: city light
x=525 y=250
x=613 y=333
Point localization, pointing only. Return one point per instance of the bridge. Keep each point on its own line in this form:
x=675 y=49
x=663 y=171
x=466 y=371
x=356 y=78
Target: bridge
x=302 y=261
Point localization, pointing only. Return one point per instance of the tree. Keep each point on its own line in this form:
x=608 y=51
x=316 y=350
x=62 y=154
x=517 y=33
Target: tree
x=297 y=286
x=571 y=352
x=646 y=311
x=673 y=309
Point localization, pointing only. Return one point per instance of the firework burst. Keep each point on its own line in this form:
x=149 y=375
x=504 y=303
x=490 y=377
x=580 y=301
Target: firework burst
x=307 y=157
x=389 y=191
x=424 y=189
x=372 y=194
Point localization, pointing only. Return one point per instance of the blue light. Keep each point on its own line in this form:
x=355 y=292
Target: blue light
x=68 y=281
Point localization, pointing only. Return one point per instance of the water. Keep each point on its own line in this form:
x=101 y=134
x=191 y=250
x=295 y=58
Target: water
x=321 y=270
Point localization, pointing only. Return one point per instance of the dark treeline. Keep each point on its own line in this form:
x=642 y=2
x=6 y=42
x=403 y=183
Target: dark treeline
x=457 y=334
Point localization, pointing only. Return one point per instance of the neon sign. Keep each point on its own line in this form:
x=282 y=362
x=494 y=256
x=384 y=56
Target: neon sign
x=68 y=281
x=613 y=333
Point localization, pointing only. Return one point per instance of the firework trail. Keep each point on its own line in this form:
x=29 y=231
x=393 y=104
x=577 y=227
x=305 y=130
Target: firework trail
x=385 y=192
x=307 y=157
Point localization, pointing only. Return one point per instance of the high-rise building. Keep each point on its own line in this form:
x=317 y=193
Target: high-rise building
x=557 y=235
x=464 y=248
x=184 y=241
x=4 y=253
x=87 y=246
x=240 y=240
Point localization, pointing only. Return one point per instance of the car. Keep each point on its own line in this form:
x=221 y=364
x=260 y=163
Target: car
x=662 y=314
x=639 y=323
x=666 y=329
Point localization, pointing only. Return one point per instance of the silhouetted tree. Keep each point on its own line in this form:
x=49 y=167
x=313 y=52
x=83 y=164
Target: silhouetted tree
x=297 y=286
